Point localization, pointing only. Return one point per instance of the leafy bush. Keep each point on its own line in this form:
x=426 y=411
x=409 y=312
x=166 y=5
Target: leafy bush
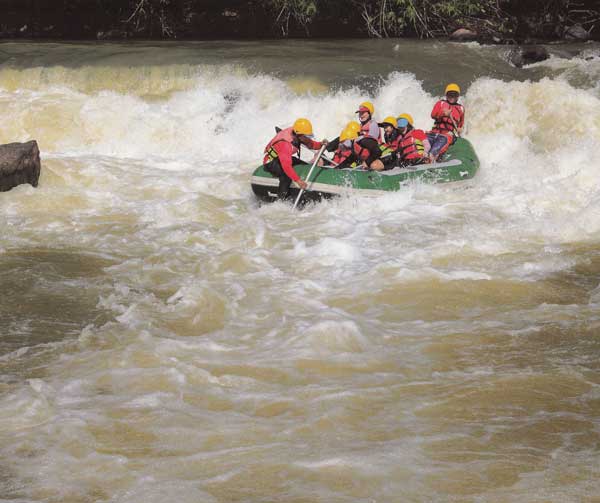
x=283 y=18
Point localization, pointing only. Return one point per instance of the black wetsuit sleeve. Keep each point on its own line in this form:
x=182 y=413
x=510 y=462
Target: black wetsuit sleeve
x=333 y=145
x=347 y=163
x=373 y=147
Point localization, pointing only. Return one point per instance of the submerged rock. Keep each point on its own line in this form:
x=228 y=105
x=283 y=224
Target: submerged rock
x=19 y=163
x=463 y=35
x=522 y=56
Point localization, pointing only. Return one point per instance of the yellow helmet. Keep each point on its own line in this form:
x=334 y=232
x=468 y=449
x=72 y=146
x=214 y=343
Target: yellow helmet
x=303 y=126
x=408 y=117
x=353 y=126
x=366 y=106
x=348 y=134
x=389 y=120
x=452 y=88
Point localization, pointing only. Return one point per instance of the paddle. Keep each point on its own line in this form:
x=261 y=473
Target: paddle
x=457 y=132
x=331 y=163
x=309 y=173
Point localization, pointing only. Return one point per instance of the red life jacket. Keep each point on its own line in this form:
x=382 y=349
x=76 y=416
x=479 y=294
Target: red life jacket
x=342 y=155
x=448 y=125
x=411 y=145
x=392 y=143
x=365 y=131
x=286 y=135
x=361 y=153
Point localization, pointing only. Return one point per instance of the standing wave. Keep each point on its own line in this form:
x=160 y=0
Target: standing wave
x=539 y=142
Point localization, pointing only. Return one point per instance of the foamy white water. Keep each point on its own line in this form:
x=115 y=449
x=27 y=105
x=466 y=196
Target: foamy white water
x=164 y=337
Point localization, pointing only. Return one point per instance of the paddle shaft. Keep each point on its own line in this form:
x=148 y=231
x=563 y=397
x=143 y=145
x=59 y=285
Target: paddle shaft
x=332 y=163
x=309 y=173
x=457 y=132
x=455 y=126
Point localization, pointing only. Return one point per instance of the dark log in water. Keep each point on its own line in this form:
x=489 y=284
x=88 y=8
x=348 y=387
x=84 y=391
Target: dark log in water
x=19 y=163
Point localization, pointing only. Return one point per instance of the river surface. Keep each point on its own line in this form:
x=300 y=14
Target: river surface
x=164 y=338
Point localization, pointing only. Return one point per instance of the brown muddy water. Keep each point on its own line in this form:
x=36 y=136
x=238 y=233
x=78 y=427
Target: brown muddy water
x=165 y=338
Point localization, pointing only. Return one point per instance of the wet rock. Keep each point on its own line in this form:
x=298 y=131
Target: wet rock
x=111 y=35
x=522 y=56
x=576 y=32
x=463 y=35
x=19 y=163
x=497 y=40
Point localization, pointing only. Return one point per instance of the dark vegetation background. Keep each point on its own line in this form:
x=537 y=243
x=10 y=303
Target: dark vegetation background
x=493 y=20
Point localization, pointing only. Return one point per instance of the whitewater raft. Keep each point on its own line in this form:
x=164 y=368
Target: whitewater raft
x=458 y=164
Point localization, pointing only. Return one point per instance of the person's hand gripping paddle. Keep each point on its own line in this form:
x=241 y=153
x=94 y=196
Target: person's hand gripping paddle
x=309 y=173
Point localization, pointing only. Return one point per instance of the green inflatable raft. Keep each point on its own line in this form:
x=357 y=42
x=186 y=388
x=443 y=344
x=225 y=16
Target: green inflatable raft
x=459 y=163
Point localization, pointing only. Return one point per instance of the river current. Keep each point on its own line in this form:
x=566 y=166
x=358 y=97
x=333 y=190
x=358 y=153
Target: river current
x=163 y=337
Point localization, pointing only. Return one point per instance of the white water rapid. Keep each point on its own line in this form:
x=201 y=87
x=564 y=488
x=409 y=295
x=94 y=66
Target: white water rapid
x=164 y=337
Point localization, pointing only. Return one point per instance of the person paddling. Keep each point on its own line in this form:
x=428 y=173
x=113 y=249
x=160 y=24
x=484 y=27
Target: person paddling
x=413 y=146
x=449 y=117
x=279 y=157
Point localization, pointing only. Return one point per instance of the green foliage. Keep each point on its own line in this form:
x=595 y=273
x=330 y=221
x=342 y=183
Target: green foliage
x=300 y=11
x=427 y=18
x=459 y=8
x=339 y=18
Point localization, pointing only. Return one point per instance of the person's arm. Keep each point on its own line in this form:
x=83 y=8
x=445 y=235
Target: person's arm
x=369 y=151
x=438 y=110
x=284 y=154
x=333 y=145
x=312 y=144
